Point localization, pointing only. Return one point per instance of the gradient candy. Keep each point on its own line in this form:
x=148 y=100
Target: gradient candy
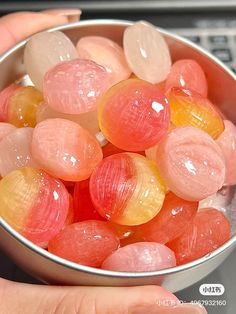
x=146 y=52
x=43 y=51
x=22 y=106
x=75 y=86
x=134 y=115
x=191 y=163
x=33 y=203
x=208 y=231
x=107 y=53
x=187 y=74
x=126 y=189
x=87 y=243
x=5 y=94
x=190 y=108
x=140 y=257
x=5 y=128
x=65 y=150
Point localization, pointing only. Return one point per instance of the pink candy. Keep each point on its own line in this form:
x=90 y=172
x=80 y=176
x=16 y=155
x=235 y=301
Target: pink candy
x=5 y=128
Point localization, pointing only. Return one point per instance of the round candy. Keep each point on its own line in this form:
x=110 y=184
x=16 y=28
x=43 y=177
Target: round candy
x=88 y=120
x=146 y=52
x=187 y=74
x=134 y=115
x=33 y=203
x=65 y=150
x=87 y=243
x=107 y=53
x=140 y=257
x=208 y=231
x=22 y=106
x=5 y=94
x=171 y=221
x=191 y=163
x=227 y=142
x=15 y=151
x=126 y=189
x=43 y=51
x=5 y=128
x=75 y=86
x=190 y=108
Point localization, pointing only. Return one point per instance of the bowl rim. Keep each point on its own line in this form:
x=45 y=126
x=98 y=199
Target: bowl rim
x=92 y=270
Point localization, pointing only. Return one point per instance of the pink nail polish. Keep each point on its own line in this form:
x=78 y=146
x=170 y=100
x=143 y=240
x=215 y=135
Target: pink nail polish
x=73 y=15
x=178 y=309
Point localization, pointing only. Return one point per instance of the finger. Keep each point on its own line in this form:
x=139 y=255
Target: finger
x=91 y=300
x=73 y=15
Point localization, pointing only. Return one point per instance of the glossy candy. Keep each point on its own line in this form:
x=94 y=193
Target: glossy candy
x=208 y=231
x=4 y=98
x=107 y=53
x=15 y=151
x=65 y=150
x=171 y=221
x=43 y=51
x=5 y=128
x=140 y=257
x=190 y=108
x=33 y=203
x=22 y=106
x=87 y=243
x=134 y=115
x=146 y=52
x=75 y=86
x=191 y=163
x=187 y=74
x=126 y=189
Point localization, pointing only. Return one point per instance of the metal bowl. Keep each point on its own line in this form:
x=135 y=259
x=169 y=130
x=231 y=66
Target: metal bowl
x=52 y=269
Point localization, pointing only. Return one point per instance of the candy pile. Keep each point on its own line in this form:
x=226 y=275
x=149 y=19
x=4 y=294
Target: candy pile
x=126 y=198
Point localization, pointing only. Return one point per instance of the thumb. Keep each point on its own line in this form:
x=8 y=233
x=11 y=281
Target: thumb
x=36 y=299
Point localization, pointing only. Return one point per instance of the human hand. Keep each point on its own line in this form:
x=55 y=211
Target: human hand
x=20 y=298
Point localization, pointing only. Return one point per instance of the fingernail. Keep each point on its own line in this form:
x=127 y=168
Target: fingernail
x=73 y=15
x=177 y=309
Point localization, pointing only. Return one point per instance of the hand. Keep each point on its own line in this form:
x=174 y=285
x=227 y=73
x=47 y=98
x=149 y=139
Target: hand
x=36 y=299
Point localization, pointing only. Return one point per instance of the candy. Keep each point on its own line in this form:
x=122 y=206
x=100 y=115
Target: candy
x=171 y=221
x=43 y=51
x=187 y=74
x=75 y=86
x=22 y=106
x=65 y=150
x=126 y=189
x=209 y=230
x=33 y=203
x=110 y=149
x=191 y=163
x=87 y=243
x=134 y=115
x=227 y=142
x=107 y=53
x=4 y=98
x=189 y=108
x=15 y=151
x=88 y=120
x=5 y=128
x=146 y=52
x=140 y=257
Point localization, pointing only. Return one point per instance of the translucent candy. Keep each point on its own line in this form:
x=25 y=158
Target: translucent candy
x=87 y=243
x=187 y=74
x=5 y=128
x=140 y=257
x=126 y=189
x=33 y=203
x=190 y=108
x=75 y=86
x=191 y=163
x=15 y=151
x=88 y=120
x=171 y=221
x=107 y=53
x=134 y=115
x=227 y=142
x=65 y=150
x=146 y=52
x=110 y=149
x=43 y=51
x=208 y=231
x=22 y=106
x=4 y=98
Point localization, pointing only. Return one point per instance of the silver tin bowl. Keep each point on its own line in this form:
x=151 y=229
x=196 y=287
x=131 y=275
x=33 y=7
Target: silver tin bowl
x=52 y=269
